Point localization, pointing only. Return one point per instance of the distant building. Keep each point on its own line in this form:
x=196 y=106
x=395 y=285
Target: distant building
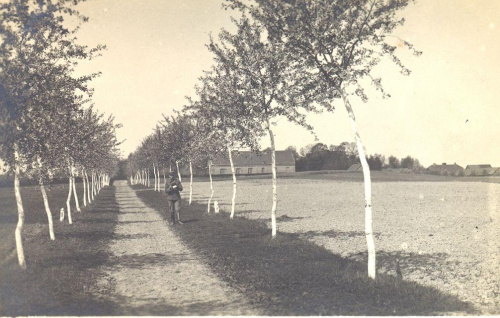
x=446 y=169
x=247 y=162
x=482 y=170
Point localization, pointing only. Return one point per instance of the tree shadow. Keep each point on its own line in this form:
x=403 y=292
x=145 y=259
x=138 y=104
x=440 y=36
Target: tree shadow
x=159 y=307
x=144 y=260
x=189 y=220
x=335 y=234
x=286 y=218
x=289 y=275
x=389 y=261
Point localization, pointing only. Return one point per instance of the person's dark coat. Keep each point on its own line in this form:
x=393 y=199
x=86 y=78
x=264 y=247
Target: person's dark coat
x=173 y=189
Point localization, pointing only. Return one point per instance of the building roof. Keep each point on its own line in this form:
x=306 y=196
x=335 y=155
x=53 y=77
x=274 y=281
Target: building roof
x=444 y=167
x=482 y=171
x=478 y=167
x=249 y=158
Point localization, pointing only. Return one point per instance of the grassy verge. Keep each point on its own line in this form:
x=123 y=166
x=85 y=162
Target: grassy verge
x=62 y=275
x=291 y=276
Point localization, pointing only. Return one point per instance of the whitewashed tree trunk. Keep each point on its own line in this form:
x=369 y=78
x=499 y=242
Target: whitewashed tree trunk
x=88 y=187
x=178 y=171
x=159 y=178
x=84 y=188
x=156 y=182
x=47 y=210
x=68 y=201
x=234 y=181
x=275 y=186
x=370 y=242
x=74 y=190
x=92 y=176
x=99 y=182
x=211 y=185
x=20 y=211
x=149 y=184
x=46 y=205
x=190 y=182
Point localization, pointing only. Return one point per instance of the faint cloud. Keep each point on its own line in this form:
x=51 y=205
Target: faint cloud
x=105 y=10
x=483 y=48
x=492 y=25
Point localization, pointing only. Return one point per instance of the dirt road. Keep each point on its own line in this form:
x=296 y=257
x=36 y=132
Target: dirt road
x=153 y=273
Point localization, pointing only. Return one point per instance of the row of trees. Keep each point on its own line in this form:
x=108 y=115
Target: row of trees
x=48 y=126
x=322 y=157
x=286 y=59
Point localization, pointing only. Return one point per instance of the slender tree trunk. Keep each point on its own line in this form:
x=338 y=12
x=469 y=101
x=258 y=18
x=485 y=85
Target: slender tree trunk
x=74 y=190
x=190 y=182
x=84 y=188
x=149 y=184
x=47 y=210
x=92 y=179
x=20 y=211
x=178 y=171
x=68 y=201
x=164 y=177
x=275 y=186
x=211 y=185
x=370 y=242
x=88 y=187
x=159 y=178
x=46 y=205
x=234 y=181
x=99 y=182
x=156 y=182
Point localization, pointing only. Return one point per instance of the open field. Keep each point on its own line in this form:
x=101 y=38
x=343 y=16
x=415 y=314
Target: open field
x=344 y=175
x=444 y=233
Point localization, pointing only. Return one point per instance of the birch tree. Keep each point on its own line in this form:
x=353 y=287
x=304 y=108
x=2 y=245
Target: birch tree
x=272 y=87
x=340 y=43
x=223 y=116
x=35 y=49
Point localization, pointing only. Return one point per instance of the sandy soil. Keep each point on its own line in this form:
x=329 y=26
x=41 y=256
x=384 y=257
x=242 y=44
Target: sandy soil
x=445 y=234
x=153 y=273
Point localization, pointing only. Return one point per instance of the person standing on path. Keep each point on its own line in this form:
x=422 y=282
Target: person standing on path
x=173 y=188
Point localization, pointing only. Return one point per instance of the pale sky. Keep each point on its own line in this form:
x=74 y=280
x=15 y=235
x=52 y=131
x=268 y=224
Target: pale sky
x=445 y=111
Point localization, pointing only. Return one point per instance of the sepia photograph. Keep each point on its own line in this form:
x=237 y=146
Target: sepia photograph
x=249 y=158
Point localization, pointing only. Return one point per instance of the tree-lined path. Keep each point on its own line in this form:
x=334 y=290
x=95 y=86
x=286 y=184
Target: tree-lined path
x=152 y=272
